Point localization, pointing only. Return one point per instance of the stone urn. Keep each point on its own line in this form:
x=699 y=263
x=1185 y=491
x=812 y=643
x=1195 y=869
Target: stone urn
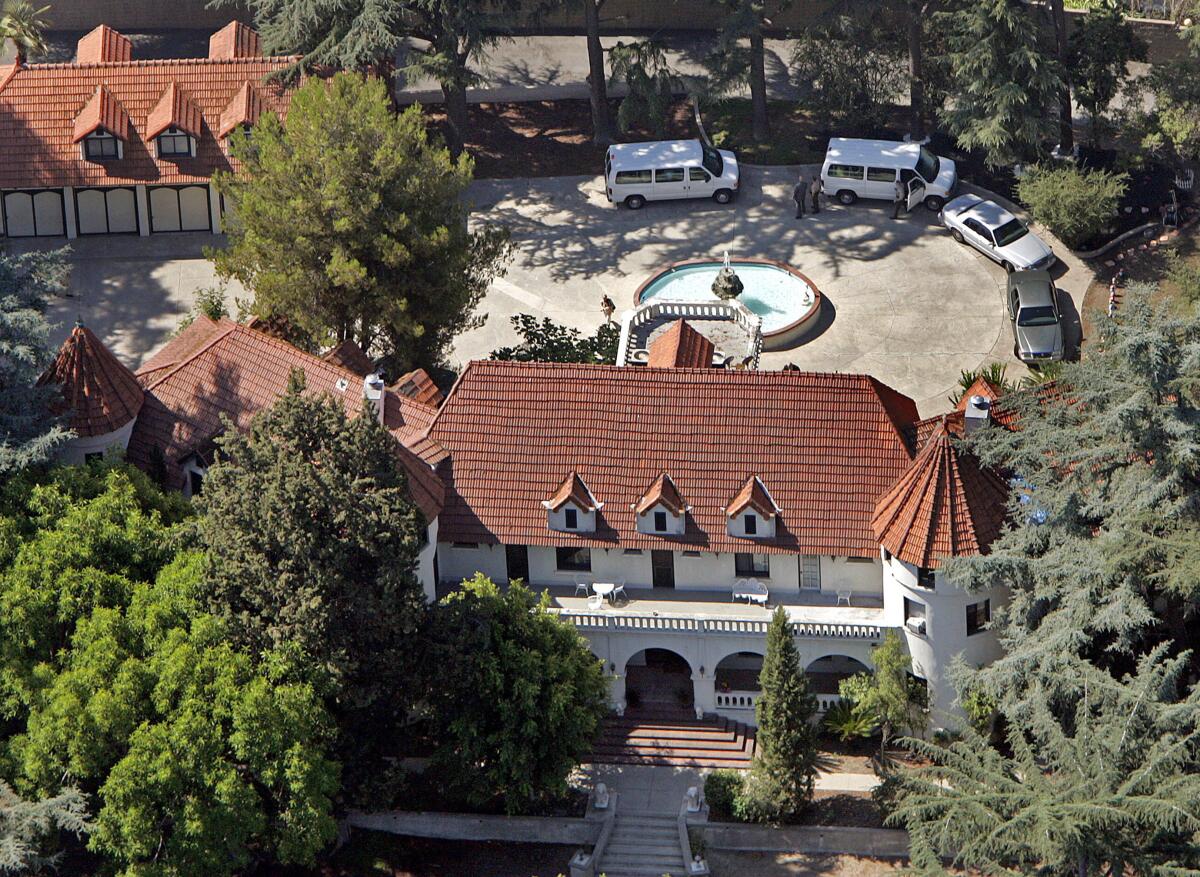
x=728 y=285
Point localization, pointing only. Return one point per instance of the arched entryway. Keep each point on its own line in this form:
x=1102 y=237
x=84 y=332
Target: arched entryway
x=658 y=681
x=824 y=674
x=737 y=684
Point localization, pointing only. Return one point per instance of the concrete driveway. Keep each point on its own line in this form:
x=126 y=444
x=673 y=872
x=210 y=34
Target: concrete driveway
x=904 y=302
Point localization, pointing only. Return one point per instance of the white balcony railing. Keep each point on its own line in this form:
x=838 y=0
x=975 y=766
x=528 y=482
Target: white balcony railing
x=619 y=622
x=737 y=700
x=656 y=309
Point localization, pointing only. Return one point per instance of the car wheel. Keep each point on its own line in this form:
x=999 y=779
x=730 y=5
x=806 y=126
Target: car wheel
x=845 y=196
x=933 y=203
x=635 y=202
x=1007 y=266
x=722 y=196
x=957 y=235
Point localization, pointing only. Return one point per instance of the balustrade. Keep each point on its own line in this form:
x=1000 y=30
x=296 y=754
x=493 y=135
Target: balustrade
x=620 y=621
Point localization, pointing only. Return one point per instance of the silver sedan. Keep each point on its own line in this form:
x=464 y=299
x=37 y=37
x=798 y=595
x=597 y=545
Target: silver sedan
x=996 y=233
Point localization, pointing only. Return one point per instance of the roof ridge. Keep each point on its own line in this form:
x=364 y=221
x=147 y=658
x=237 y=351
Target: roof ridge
x=148 y=62
x=203 y=348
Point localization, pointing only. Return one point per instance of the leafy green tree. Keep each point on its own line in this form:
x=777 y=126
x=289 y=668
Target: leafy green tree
x=311 y=548
x=1171 y=124
x=516 y=695
x=1005 y=85
x=23 y=25
x=29 y=432
x=895 y=699
x=1098 y=56
x=995 y=373
x=1075 y=204
x=25 y=825
x=1103 y=550
x=780 y=784
x=740 y=54
x=547 y=341
x=349 y=223
x=1110 y=786
x=642 y=67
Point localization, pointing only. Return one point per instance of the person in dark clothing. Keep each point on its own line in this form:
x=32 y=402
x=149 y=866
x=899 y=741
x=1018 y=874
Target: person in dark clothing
x=799 y=194
x=609 y=307
x=815 y=189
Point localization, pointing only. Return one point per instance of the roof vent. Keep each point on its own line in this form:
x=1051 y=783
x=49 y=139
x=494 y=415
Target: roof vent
x=341 y=385
x=977 y=413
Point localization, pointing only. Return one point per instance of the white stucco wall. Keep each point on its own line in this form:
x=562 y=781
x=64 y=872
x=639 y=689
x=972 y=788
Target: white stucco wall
x=676 y=524
x=556 y=519
x=425 y=562
x=75 y=451
x=456 y=562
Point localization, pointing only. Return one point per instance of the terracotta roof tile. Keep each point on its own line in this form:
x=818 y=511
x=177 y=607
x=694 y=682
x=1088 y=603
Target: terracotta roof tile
x=572 y=490
x=40 y=103
x=244 y=108
x=418 y=386
x=100 y=393
x=945 y=505
x=174 y=110
x=348 y=355
x=827 y=444
x=753 y=495
x=681 y=346
x=102 y=111
x=981 y=387
x=662 y=492
x=233 y=371
x=103 y=45
x=234 y=40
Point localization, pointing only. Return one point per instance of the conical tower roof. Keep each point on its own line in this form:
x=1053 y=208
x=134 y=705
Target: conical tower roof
x=100 y=394
x=944 y=505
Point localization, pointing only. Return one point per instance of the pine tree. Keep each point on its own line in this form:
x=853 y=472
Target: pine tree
x=29 y=432
x=895 y=699
x=25 y=825
x=780 y=784
x=740 y=54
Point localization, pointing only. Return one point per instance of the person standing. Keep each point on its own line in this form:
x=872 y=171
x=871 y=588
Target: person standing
x=799 y=194
x=609 y=307
x=815 y=188
x=899 y=200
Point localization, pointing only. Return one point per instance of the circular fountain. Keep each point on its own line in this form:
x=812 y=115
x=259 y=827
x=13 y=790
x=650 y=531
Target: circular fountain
x=786 y=301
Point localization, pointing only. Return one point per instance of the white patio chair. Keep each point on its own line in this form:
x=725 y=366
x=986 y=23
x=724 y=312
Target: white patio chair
x=843 y=597
x=595 y=601
x=582 y=584
x=619 y=590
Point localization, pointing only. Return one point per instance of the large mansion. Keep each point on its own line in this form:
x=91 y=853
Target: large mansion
x=666 y=508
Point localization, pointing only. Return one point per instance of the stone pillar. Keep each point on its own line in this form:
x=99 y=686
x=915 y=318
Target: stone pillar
x=69 y=212
x=704 y=690
x=143 y=211
x=616 y=693
x=214 y=208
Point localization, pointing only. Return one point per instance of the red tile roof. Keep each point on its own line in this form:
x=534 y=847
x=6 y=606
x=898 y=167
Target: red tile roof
x=982 y=387
x=174 y=110
x=681 y=346
x=103 y=45
x=945 y=505
x=40 y=103
x=102 y=111
x=827 y=444
x=348 y=355
x=663 y=491
x=572 y=490
x=243 y=108
x=100 y=393
x=214 y=370
x=234 y=40
x=418 y=386
x=753 y=495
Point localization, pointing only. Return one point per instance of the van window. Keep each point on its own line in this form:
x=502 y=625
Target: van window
x=629 y=177
x=698 y=175
x=928 y=165
x=713 y=161
x=668 y=175
x=881 y=174
x=846 y=171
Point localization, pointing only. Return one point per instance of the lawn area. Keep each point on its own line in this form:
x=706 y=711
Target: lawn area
x=795 y=135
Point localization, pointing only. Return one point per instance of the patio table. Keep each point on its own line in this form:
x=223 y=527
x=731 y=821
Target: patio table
x=604 y=589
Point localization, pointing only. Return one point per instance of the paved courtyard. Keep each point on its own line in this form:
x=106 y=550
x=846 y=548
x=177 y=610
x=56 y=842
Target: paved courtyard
x=903 y=301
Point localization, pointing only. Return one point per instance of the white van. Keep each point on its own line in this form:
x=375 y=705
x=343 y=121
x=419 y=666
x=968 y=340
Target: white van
x=856 y=169
x=635 y=173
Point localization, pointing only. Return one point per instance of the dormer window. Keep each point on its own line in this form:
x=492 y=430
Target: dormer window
x=100 y=145
x=752 y=513
x=661 y=510
x=660 y=522
x=571 y=519
x=174 y=143
x=572 y=508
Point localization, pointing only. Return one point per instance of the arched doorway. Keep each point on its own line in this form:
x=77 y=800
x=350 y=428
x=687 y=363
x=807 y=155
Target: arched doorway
x=658 y=681
x=739 y=672
x=825 y=673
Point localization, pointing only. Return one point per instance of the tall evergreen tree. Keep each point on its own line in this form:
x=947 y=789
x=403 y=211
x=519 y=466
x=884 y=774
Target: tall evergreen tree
x=26 y=825
x=1005 y=85
x=602 y=128
x=741 y=54
x=1099 y=53
x=29 y=432
x=780 y=784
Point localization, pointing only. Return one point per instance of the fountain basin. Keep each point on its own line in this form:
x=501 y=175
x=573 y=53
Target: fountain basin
x=785 y=300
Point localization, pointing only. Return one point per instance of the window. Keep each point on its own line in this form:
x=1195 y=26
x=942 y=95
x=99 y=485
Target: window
x=1011 y=231
x=466 y=546
x=928 y=165
x=173 y=142
x=669 y=175
x=630 y=177
x=100 y=145
x=660 y=522
x=1042 y=315
x=913 y=611
x=810 y=572
x=571 y=519
x=634 y=551
x=860 y=560
x=846 y=171
x=713 y=161
x=881 y=174
x=574 y=559
x=698 y=175
x=978 y=615
x=753 y=565
x=691 y=554
x=751 y=524
x=195 y=482
x=887 y=555
x=925 y=577
x=978 y=228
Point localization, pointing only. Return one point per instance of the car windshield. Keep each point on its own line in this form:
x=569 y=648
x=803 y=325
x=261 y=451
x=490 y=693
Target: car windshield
x=1042 y=315
x=1009 y=232
x=928 y=165
x=713 y=161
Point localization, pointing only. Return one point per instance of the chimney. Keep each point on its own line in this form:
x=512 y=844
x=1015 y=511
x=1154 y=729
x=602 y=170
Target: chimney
x=977 y=414
x=234 y=40
x=373 y=387
x=103 y=45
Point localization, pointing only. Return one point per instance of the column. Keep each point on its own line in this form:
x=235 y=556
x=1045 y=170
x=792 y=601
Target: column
x=69 y=213
x=616 y=693
x=704 y=692
x=143 y=211
x=214 y=207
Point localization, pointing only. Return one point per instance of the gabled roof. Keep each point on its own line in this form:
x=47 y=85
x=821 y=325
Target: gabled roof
x=662 y=492
x=234 y=40
x=349 y=356
x=102 y=111
x=680 y=346
x=244 y=108
x=753 y=495
x=223 y=369
x=174 y=110
x=945 y=505
x=100 y=394
x=827 y=444
x=418 y=386
x=572 y=490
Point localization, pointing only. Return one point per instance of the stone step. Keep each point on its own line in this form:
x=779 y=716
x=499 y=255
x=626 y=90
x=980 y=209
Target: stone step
x=676 y=761
x=661 y=864
x=654 y=733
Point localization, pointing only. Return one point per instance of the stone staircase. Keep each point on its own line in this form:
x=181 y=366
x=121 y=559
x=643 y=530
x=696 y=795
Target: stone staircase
x=643 y=845
x=675 y=740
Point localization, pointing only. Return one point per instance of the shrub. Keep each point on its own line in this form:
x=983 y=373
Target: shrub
x=1074 y=204
x=980 y=709
x=1185 y=275
x=722 y=789
x=848 y=722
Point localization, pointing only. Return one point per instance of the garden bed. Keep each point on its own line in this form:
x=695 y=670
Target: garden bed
x=801 y=865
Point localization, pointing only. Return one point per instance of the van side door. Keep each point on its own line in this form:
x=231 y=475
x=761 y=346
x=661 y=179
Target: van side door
x=881 y=183
x=670 y=182
x=700 y=182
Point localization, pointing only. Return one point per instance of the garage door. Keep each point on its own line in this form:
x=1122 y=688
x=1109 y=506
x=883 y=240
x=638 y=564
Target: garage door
x=30 y=214
x=179 y=209
x=106 y=211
